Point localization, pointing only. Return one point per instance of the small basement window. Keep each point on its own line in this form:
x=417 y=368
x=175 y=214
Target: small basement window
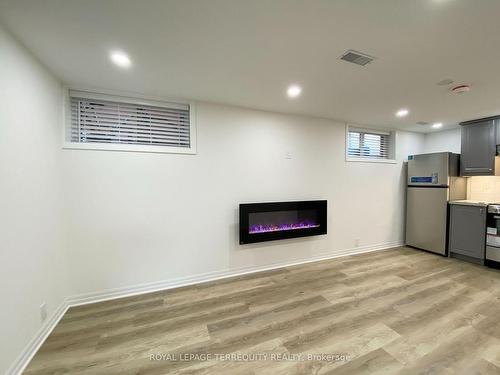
x=104 y=122
x=369 y=145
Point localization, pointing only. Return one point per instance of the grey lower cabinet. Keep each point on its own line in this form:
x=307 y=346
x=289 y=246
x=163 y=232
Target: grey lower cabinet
x=467 y=235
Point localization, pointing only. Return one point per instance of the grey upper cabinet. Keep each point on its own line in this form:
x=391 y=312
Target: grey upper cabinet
x=467 y=234
x=479 y=140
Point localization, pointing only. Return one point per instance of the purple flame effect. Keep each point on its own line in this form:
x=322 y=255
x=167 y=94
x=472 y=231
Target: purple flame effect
x=281 y=227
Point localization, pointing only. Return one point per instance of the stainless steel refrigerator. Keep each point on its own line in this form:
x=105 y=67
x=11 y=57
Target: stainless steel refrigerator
x=433 y=181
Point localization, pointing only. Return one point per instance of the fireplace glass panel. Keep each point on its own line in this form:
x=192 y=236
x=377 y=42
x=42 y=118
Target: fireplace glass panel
x=276 y=221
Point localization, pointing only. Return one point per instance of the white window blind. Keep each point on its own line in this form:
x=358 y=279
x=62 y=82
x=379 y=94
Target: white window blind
x=129 y=123
x=366 y=144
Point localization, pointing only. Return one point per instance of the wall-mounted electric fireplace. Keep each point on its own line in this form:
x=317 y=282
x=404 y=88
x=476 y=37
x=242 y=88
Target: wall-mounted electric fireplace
x=279 y=220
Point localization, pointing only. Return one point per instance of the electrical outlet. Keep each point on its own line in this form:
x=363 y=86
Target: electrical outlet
x=43 y=311
x=356 y=242
x=288 y=155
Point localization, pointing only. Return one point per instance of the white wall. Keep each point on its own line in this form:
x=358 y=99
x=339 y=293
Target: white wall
x=134 y=218
x=447 y=140
x=32 y=262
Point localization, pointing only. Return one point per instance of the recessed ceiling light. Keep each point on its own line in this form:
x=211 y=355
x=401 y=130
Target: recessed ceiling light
x=437 y=125
x=120 y=58
x=402 y=112
x=293 y=91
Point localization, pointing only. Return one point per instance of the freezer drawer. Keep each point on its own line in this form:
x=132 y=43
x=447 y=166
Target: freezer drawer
x=426 y=218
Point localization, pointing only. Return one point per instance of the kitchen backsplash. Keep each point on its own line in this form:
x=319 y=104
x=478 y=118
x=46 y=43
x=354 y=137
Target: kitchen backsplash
x=484 y=188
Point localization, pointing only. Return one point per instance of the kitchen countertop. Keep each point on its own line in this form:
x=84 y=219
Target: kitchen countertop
x=467 y=202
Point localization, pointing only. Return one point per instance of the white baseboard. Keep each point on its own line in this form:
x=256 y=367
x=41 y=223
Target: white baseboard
x=30 y=350
x=110 y=294
x=83 y=299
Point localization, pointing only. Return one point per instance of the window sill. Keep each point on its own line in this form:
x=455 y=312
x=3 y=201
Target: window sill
x=367 y=160
x=128 y=148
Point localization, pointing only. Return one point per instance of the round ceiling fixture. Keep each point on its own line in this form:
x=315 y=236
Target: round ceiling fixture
x=460 y=89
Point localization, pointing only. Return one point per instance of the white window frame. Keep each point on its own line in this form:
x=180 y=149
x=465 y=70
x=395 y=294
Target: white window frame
x=392 y=148
x=126 y=98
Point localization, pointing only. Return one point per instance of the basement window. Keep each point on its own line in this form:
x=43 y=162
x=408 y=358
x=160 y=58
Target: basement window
x=98 y=121
x=370 y=145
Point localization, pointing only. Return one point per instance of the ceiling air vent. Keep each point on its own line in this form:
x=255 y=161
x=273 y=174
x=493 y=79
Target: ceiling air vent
x=423 y=123
x=356 y=57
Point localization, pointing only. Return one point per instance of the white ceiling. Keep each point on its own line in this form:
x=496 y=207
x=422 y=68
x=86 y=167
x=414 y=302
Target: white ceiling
x=246 y=52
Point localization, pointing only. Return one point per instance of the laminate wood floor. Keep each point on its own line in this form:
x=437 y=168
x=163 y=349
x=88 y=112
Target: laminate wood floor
x=397 y=311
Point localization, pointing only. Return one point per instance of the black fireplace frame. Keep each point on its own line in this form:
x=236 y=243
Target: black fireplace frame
x=248 y=208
